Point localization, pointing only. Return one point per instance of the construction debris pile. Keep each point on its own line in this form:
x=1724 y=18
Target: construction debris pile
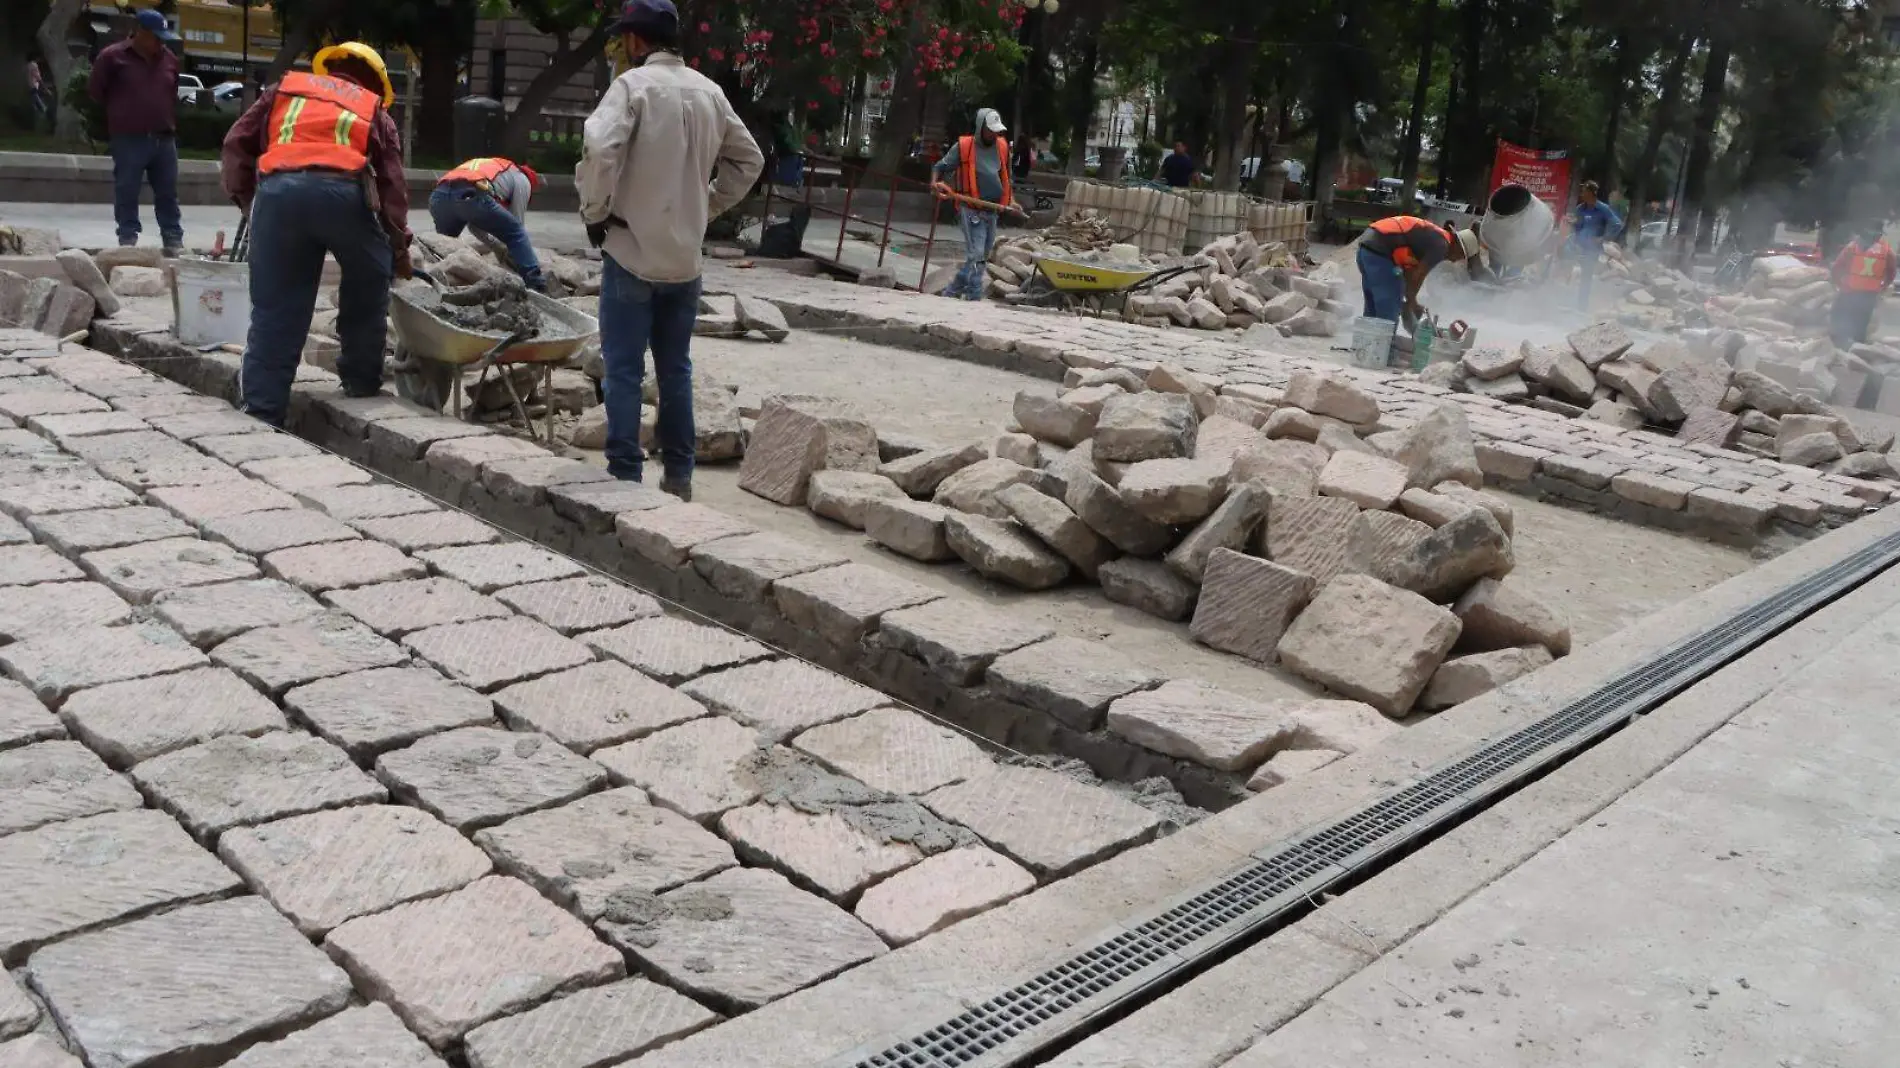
x=1660 y=297
x=1285 y=525
x=1695 y=388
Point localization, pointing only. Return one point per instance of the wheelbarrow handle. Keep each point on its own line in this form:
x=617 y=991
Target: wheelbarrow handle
x=1159 y=277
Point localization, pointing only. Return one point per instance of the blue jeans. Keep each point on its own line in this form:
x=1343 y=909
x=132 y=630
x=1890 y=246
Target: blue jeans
x=296 y=218
x=1585 y=257
x=456 y=206
x=979 y=233
x=633 y=313
x=134 y=158
x=1382 y=285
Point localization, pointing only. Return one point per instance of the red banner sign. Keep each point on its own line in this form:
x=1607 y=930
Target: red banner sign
x=1545 y=174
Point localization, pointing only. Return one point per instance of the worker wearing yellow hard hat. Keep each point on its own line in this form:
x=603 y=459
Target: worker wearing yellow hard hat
x=316 y=164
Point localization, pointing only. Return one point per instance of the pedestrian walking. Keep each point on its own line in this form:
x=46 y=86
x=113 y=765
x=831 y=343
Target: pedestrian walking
x=316 y=164
x=1177 y=167
x=36 y=94
x=980 y=162
x=646 y=152
x=1396 y=253
x=1862 y=272
x=136 y=80
x=491 y=195
x=1592 y=222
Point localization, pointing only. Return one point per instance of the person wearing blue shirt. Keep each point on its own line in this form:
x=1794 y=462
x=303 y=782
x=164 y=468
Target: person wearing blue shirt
x=1592 y=222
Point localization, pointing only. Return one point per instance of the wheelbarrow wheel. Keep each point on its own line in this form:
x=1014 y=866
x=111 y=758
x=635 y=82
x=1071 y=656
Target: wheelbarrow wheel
x=425 y=382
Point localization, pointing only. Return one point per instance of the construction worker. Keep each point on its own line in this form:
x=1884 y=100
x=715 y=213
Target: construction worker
x=647 y=150
x=1592 y=222
x=491 y=195
x=1395 y=255
x=980 y=162
x=316 y=165
x=1863 y=271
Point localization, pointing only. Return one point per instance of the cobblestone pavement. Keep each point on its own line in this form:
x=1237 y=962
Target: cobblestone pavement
x=299 y=769
x=1637 y=475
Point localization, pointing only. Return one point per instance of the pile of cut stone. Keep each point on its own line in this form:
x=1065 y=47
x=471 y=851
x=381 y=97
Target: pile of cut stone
x=1706 y=388
x=1782 y=298
x=59 y=291
x=1290 y=525
x=1660 y=297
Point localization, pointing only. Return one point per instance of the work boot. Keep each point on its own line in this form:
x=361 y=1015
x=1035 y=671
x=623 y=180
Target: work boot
x=172 y=252
x=682 y=490
x=362 y=389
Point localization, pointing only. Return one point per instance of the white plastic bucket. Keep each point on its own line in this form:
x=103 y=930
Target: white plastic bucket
x=211 y=301
x=1372 y=341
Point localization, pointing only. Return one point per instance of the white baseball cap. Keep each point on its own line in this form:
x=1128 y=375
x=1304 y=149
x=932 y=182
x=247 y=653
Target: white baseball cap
x=1468 y=240
x=989 y=120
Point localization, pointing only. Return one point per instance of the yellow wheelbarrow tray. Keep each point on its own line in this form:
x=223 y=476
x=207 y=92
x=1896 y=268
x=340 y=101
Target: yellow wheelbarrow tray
x=1093 y=284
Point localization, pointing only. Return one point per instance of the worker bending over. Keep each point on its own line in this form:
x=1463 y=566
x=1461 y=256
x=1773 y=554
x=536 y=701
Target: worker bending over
x=491 y=195
x=1862 y=272
x=980 y=162
x=1395 y=255
x=316 y=165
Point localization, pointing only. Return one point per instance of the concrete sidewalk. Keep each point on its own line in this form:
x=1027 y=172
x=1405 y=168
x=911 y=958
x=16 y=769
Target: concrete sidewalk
x=1740 y=908
x=91 y=226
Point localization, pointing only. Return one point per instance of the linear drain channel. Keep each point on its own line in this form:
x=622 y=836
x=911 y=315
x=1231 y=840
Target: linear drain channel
x=1115 y=974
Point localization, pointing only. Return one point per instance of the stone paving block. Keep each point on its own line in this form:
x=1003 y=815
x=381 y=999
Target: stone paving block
x=667 y=536
x=202 y=504
x=66 y=427
x=909 y=528
x=895 y=751
x=376 y=501
x=24 y=565
x=843 y=604
x=291 y=654
x=449 y=964
x=589 y=1029
x=956 y=639
x=18 y=1013
x=526 y=481
x=240 y=449
x=207 y=615
x=698 y=769
x=428 y=530
x=258 y=533
x=1043 y=819
x=580 y=604
x=941 y=891
x=1369 y=641
x=490 y=653
x=491 y=567
x=1148 y=585
x=54 y=665
x=73 y=533
x=744 y=567
x=1194 y=721
x=23 y=406
x=1310 y=534
x=594 y=505
x=462 y=459
x=234 y=780
x=23 y=720
x=80 y=491
x=821 y=851
x=591 y=854
x=193 y=426
x=36 y=1051
x=479 y=776
x=139 y=572
x=342 y=565
x=128 y=722
x=742 y=938
x=69 y=877
x=1070 y=679
x=1246 y=604
x=595 y=705
x=145 y=473
x=54 y=781
x=299 y=474
x=398 y=608
x=782 y=697
x=187 y=987
x=12 y=533
x=409 y=438
x=324 y=869
x=371 y=712
x=170 y=404
x=18 y=444
x=674 y=650
x=366 y=1037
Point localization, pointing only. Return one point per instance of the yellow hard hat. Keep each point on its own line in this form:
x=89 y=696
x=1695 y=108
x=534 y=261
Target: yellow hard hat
x=355 y=50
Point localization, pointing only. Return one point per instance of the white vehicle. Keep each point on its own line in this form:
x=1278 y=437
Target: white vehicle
x=189 y=86
x=228 y=96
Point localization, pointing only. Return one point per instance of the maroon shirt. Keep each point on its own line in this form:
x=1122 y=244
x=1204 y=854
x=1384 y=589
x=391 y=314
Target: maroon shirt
x=246 y=142
x=140 y=95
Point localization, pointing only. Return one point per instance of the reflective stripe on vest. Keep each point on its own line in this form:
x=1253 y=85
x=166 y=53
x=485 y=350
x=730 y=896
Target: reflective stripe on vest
x=1400 y=224
x=479 y=171
x=966 y=168
x=317 y=121
x=1867 y=271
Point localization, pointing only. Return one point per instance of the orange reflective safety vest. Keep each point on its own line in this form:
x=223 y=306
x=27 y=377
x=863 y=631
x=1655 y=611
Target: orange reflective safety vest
x=479 y=171
x=966 y=168
x=316 y=121
x=1868 y=269
x=1399 y=228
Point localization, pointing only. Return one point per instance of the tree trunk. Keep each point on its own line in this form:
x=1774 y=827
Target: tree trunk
x=1082 y=99
x=59 y=61
x=1622 y=55
x=1474 y=129
x=1702 y=144
x=904 y=116
x=1330 y=113
x=1659 y=126
x=1445 y=155
x=564 y=64
x=1415 y=123
x=1236 y=62
x=439 y=56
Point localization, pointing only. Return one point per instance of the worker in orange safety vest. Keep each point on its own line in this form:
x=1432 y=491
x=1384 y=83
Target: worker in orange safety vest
x=316 y=166
x=980 y=162
x=491 y=195
x=1862 y=272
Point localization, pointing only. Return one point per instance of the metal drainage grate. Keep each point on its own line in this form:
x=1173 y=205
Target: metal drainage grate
x=1121 y=969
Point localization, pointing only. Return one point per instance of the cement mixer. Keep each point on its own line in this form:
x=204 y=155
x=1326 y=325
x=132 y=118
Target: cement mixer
x=1516 y=227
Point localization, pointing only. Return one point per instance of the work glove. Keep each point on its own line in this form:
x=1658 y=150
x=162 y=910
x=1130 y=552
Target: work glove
x=597 y=233
x=400 y=262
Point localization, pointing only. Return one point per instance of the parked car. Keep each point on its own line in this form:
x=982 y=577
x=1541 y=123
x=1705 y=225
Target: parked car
x=189 y=86
x=228 y=96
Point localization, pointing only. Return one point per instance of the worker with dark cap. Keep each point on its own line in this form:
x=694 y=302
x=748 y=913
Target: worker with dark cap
x=1395 y=255
x=648 y=148
x=136 y=82
x=316 y=164
x=491 y=196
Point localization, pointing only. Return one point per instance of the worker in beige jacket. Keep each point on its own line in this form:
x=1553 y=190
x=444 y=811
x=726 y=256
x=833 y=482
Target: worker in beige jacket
x=660 y=130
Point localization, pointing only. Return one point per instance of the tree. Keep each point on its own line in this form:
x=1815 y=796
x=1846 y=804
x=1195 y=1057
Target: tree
x=561 y=20
x=1421 y=88
x=438 y=32
x=59 y=61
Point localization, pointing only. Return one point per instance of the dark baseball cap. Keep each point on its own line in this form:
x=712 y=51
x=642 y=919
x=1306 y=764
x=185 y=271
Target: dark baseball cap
x=149 y=19
x=653 y=20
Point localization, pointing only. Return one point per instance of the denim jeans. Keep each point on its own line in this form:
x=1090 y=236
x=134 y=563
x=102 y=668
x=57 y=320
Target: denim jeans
x=1382 y=286
x=1851 y=317
x=457 y=206
x=295 y=219
x=134 y=158
x=979 y=233
x=633 y=314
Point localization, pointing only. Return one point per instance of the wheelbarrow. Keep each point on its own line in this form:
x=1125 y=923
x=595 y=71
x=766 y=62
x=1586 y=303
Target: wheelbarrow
x=1094 y=285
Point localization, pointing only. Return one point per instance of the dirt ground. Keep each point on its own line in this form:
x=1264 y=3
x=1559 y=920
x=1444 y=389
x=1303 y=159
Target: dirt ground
x=1603 y=574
